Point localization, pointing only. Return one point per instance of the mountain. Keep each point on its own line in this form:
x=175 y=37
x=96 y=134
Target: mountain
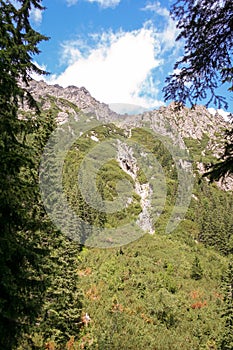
x=68 y=100
x=193 y=124
x=189 y=122
x=133 y=184
x=159 y=155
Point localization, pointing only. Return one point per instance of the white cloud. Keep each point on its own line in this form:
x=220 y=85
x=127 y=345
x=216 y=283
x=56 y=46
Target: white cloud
x=71 y=2
x=122 y=108
x=118 y=69
x=107 y=3
x=102 y=3
x=36 y=15
x=157 y=8
x=224 y=114
x=169 y=33
x=168 y=36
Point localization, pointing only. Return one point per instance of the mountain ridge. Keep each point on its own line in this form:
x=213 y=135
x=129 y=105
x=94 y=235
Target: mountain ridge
x=88 y=104
x=185 y=123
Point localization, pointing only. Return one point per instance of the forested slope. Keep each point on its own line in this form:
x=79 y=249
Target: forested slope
x=154 y=291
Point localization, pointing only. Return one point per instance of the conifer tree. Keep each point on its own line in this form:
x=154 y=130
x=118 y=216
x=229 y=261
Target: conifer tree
x=22 y=280
x=226 y=342
x=196 y=272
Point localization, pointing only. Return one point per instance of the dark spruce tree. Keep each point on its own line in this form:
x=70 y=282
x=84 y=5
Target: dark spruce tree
x=196 y=271
x=206 y=27
x=22 y=282
x=226 y=341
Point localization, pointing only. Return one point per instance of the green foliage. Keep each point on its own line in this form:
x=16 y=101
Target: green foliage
x=201 y=224
x=39 y=296
x=22 y=257
x=211 y=208
x=196 y=272
x=224 y=166
x=156 y=147
x=60 y=316
x=142 y=296
x=149 y=294
x=108 y=178
x=226 y=339
x=153 y=292
x=212 y=214
x=198 y=147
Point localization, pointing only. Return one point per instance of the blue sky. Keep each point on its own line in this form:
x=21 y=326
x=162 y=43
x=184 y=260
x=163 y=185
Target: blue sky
x=120 y=50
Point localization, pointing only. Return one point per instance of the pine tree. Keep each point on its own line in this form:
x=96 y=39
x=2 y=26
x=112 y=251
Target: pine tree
x=196 y=272
x=22 y=281
x=226 y=342
x=60 y=317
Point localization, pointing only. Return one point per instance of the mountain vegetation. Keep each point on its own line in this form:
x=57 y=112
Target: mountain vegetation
x=149 y=289
x=159 y=291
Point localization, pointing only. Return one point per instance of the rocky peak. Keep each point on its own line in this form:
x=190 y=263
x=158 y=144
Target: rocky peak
x=80 y=97
x=187 y=122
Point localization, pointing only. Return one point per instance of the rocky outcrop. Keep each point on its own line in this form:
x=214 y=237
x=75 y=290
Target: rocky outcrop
x=192 y=123
x=80 y=97
x=128 y=163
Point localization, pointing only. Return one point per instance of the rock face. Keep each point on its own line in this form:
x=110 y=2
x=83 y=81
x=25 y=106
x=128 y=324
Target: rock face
x=192 y=123
x=128 y=163
x=178 y=125
x=188 y=123
x=80 y=97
